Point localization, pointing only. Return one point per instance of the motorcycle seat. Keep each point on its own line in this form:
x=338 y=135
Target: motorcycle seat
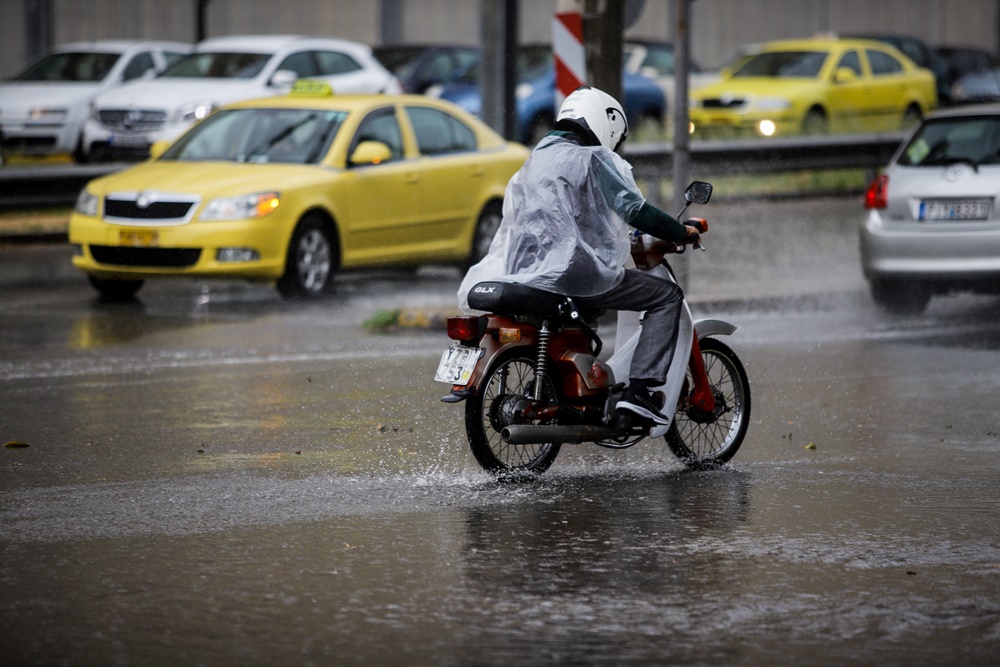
x=516 y=299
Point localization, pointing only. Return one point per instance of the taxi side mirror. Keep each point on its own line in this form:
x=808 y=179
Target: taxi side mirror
x=844 y=75
x=370 y=152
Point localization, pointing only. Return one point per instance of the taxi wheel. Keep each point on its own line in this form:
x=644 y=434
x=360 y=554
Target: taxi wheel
x=486 y=229
x=815 y=122
x=115 y=290
x=311 y=263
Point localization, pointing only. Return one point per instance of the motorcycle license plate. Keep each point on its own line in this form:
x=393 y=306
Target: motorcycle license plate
x=457 y=364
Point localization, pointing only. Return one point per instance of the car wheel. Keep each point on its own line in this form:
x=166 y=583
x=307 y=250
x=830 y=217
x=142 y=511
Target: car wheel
x=79 y=155
x=115 y=290
x=911 y=117
x=311 y=260
x=900 y=298
x=815 y=122
x=486 y=229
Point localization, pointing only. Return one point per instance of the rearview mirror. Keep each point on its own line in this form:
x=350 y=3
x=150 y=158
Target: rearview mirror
x=699 y=192
x=283 y=78
x=370 y=152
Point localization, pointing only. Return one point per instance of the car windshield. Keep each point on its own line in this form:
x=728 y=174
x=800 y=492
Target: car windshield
x=972 y=140
x=84 y=66
x=783 y=64
x=297 y=136
x=218 y=66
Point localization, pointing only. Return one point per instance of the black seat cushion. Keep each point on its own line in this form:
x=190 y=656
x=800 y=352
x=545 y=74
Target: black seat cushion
x=514 y=299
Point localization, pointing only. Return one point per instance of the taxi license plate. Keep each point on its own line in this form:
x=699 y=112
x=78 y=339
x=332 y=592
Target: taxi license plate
x=457 y=364
x=139 y=238
x=954 y=209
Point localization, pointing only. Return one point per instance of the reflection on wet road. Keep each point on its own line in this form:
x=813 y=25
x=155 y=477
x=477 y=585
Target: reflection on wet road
x=214 y=477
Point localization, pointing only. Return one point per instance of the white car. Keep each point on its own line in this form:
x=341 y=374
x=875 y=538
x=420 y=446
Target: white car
x=42 y=109
x=933 y=223
x=124 y=123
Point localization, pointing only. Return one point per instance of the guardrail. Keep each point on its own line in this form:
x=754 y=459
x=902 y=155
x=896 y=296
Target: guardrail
x=58 y=186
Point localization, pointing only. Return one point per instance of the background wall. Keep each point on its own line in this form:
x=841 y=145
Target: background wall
x=718 y=27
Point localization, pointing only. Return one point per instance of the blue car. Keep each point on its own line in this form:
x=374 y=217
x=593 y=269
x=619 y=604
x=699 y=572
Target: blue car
x=536 y=95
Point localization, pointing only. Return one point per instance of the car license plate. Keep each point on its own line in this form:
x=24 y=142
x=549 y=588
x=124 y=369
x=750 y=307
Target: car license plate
x=139 y=238
x=129 y=140
x=457 y=364
x=954 y=209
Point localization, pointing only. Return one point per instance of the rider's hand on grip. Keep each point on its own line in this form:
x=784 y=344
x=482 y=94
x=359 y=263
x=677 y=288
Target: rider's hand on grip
x=696 y=227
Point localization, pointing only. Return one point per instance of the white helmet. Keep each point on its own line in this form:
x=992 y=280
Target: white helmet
x=599 y=112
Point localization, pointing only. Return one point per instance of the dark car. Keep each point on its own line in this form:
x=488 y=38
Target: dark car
x=420 y=66
x=962 y=60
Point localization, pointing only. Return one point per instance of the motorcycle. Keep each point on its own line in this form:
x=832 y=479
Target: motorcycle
x=531 y=378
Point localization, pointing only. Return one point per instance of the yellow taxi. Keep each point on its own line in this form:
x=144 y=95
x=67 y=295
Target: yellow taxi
x=291 y=189
x=814 y=86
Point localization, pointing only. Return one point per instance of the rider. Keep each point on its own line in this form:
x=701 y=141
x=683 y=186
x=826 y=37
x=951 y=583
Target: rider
x=564 y=230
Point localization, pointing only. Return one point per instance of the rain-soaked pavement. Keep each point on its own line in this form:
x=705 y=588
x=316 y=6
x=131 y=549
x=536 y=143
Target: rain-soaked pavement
x=213 y=477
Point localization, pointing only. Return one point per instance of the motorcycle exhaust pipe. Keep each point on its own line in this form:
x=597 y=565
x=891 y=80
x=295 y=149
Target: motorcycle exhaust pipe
x=536 y=435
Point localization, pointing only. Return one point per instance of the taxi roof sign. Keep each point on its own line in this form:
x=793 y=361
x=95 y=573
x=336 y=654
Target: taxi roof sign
x=311 y=88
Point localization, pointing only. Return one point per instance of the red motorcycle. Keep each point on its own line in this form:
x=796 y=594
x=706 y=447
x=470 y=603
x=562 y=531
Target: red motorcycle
x=532 y=379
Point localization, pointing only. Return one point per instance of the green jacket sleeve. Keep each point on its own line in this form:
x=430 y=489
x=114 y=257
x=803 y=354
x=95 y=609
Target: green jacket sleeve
x=652 y=220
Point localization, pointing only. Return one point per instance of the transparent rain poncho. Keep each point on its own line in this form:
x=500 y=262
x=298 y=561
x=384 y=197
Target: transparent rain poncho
x=564 y=222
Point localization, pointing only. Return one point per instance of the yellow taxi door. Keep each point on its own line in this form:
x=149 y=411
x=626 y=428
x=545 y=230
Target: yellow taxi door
x=888 y=89
x=379 y=201
x=451 y=173
x=850 y=99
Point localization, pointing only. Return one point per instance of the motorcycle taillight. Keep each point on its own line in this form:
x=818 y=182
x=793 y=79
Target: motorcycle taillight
x=878 y=192
x=464 y=328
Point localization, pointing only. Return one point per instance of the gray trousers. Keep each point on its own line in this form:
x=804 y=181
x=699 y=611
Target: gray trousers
x=661 y=299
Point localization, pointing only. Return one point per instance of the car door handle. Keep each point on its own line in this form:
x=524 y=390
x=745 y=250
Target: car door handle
x=412 y=177
x=477 y=170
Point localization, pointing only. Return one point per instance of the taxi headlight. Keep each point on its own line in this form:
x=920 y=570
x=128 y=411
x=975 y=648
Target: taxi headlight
x=86 y=203
x=245 y=207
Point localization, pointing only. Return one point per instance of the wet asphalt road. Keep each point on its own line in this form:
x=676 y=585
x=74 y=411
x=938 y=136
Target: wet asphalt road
x=214 y=477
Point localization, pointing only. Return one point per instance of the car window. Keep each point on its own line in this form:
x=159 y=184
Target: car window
x=335 y=62
x=301 y=63
x=224 y=65
x=439 y=67
x=662 y=60
x=438 y=132
x=300 y=136
x=381 y=125
x=139 y=65
x=783 y=64
x=949 y=140
x=882 y=63
x=87 y=66
x=171 y=57
x=851 y=61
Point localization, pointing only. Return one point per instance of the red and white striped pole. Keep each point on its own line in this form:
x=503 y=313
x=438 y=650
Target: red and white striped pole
x=568 y=54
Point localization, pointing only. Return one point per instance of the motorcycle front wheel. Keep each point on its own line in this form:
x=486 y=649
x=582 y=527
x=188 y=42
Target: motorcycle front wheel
x=704 y=444
x=502 y=395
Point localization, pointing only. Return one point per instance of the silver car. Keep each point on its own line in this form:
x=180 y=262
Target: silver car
x=933 y=226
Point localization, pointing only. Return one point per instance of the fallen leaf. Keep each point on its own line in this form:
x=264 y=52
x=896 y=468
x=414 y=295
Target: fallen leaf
x=811 y=445
x=16 y=443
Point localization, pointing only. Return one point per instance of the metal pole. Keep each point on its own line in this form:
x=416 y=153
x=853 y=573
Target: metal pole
x=498 y=67
x=38 y=20
x=682 y=144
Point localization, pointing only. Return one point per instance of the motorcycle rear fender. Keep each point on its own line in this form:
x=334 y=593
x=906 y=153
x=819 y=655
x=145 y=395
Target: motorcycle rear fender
x=713 y=328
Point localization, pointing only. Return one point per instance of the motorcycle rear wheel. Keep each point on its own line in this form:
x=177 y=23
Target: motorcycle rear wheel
x=705 y=446
x=489 y=410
